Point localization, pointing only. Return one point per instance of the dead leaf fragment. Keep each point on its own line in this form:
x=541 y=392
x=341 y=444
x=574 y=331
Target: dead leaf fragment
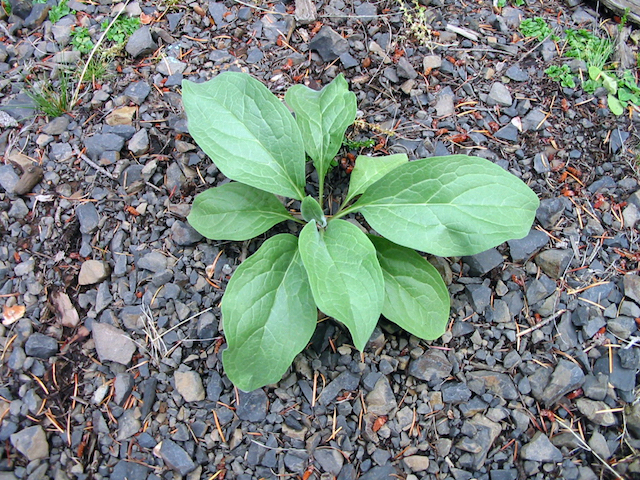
x=121 y=116
x=67 y=313
x=12 y=314
x=145 y=19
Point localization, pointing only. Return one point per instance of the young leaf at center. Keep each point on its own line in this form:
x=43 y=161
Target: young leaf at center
x=311 y=210
x=268 y=314
x=323 y=117
x=416 y=297
x=235 y=211
x=345 y=276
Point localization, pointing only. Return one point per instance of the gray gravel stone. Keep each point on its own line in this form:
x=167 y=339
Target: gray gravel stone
x=455 y=393
x=139 y=143
x=483 y=262
x=126 y=470
x=499 y=95
x=416 y=463
x=329 y=44
x=175 y=457
x=631 y=283
x=184 y=234
x=345 y=381
x=123 y=386
x=385 y=472
x=549 y=212
x=431 y=61
x=189 y=385
x=97 y=144
x=31 y=442
x=381 y=399
x=599 y=445
x=431 y=366
x=141 y=43
x=499 y=384
x=508 y=133
x=554 y=262
x=252 y=406
x=622 y=326
x=92 y=272
x=329 y=459
x=112 y=344
x=479 y=296
x=517 y=74
x=597 y=412
x=8 y=178
x=524 y=248
x=87 y=217
x=566 y=377
x=128 y=424
x=154 y=261
x=56 y=126
x=540 y=449
x=40 y=346
x=137 y=92
x=170 y=66
x=444 y=105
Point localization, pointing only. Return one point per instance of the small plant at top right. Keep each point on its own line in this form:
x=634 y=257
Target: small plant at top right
x=621 y=87
x=122 y=28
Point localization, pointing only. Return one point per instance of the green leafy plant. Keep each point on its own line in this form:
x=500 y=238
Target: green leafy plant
x=60 y=10
x=6 y=6
x=416 y=17
x=358 y=144
x=447 y=206
x=81 y=40
x=561 y=74
x=121 y=29
x=51 y=99
x=586 y=46
x=621 y=91
x=535 y=28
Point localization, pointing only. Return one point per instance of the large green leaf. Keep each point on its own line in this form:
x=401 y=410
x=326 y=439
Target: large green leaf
x=369 y=170
x=345 y=276
x=249 y=134
x=268 y=314
x=323 y=117
x=235 y=211
x=416 y=297
x=449 y=206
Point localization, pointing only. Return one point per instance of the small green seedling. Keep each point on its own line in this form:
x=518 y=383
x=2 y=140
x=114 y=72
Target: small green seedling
x=535 y=28
x=60 y=10
x=81 y=40
x=122 y=28
x=448 y=206
x=561 y=74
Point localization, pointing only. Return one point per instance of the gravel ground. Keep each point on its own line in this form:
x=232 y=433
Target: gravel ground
x=110 y=363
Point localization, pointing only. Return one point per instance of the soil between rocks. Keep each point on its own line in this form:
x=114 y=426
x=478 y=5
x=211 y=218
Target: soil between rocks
x=110 y=363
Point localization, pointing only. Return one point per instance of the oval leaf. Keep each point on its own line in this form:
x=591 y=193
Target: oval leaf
x=369 y=170
x=311 y=210
x=345 y=276
x=449 y=206
x=235 y=211
x=249 y=134
x=615 y=105
x=416 y=297
x=268 y=313
x=323 y=117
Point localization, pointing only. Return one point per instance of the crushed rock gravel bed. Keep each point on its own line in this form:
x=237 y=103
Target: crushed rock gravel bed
x=111 y=338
